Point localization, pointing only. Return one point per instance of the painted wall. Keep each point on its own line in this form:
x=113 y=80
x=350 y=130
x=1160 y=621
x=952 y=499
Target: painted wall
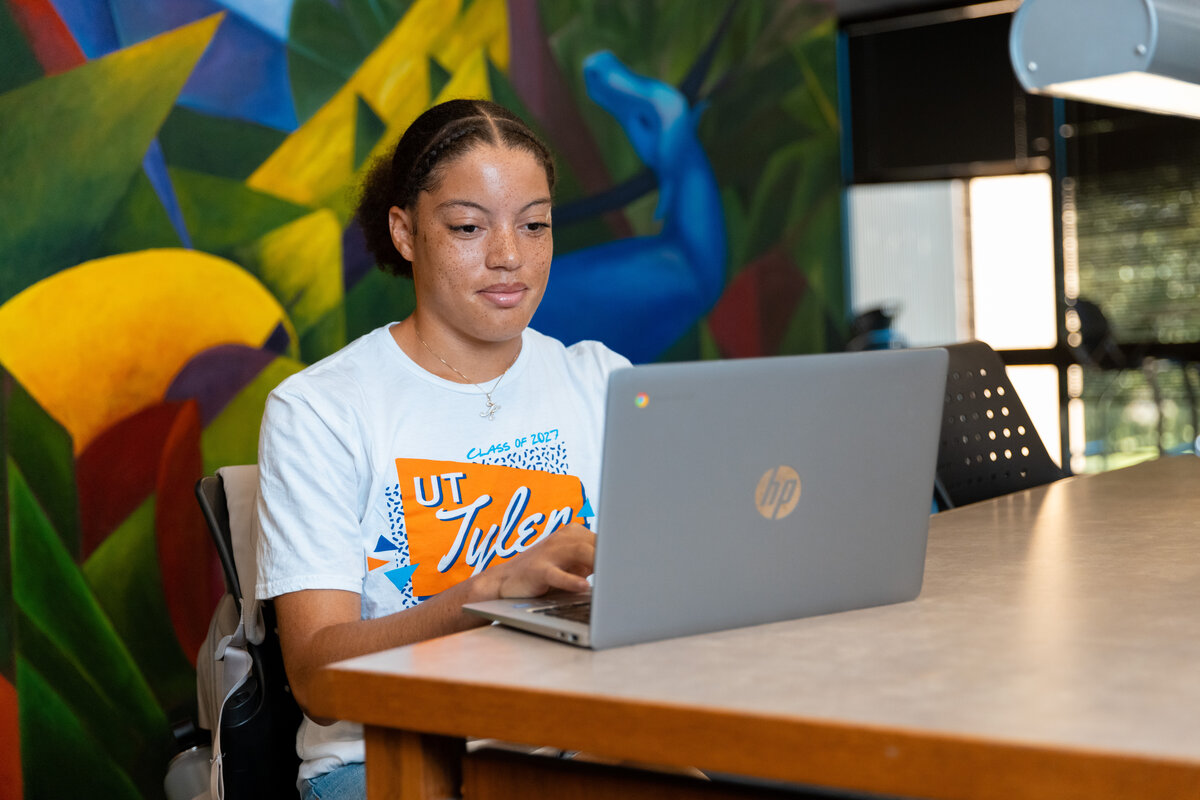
x=176 y=239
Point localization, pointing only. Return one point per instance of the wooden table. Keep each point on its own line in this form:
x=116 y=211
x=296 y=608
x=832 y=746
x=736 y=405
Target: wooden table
x=1054 y=652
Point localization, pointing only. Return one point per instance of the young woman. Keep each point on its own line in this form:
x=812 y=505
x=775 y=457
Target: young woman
x=450 y=457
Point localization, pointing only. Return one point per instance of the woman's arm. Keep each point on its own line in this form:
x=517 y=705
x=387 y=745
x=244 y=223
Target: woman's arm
x=321 y=626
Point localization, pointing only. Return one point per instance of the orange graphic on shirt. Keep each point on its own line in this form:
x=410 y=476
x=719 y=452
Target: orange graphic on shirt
x=462 y=517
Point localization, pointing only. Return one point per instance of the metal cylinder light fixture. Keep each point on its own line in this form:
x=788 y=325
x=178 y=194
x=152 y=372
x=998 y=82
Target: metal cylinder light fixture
x=1142 y=54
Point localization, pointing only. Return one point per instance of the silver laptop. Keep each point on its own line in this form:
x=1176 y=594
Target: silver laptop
x=749 y=491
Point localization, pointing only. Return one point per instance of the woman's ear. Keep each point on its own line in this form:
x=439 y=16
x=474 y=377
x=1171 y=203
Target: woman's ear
x=403 y=229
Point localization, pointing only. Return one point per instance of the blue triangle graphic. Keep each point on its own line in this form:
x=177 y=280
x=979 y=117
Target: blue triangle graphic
x=400 y=577
x=586 y=511
x=384 y=544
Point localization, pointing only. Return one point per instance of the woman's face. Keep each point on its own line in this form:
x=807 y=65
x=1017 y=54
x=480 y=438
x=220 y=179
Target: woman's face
x=480 y=245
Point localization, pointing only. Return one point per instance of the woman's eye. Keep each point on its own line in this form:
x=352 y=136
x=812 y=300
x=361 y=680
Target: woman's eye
x=465 y=228
x=538 y=226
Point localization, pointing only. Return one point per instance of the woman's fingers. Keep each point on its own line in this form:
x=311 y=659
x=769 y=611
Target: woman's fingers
x=560 y=561
x=567 y=581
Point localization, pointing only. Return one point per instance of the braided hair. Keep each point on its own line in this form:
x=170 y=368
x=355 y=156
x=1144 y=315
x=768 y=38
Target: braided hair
x=434 y=139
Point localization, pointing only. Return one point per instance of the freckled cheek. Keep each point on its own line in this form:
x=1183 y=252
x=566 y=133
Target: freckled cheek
x=461 y=258
x=452 y=268
x=540 y=253
x=457 y=273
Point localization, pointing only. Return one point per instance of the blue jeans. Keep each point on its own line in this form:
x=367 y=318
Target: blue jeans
x=344 y=783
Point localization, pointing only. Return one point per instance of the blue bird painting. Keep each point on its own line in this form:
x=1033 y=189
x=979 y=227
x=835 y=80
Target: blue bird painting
x=639 y=295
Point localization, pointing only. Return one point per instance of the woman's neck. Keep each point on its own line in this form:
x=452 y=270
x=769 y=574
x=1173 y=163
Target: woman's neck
x=451 y=357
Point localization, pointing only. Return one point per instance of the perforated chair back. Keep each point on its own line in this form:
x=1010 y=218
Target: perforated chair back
x=989 y=446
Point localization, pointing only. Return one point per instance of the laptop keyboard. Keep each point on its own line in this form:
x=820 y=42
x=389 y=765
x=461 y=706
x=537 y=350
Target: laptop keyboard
x=580 y=611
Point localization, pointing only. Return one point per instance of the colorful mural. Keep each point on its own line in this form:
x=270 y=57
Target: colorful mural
x=178 y=238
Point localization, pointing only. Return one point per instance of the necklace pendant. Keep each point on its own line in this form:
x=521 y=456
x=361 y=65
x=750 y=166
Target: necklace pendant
x=490 y=410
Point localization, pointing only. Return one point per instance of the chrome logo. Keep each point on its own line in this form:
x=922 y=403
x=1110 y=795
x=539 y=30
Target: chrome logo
x=641 y=400
x=777 y=492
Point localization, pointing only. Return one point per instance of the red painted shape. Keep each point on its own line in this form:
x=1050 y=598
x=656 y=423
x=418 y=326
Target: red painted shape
x=118 y=471
x=782 y=286
x=10 y=740
x=49 y=37
x=187 y=560
x=156 y=452
x=539 y=82
x=752 y=316
x=734 y=319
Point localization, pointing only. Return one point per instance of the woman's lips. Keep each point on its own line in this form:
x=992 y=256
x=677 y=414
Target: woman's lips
x=505 y=295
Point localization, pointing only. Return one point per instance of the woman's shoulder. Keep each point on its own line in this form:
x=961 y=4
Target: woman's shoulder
x=351 y=365
x=584 y=355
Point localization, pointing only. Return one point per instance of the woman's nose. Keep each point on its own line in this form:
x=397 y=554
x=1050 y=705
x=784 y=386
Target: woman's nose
x=503 y=252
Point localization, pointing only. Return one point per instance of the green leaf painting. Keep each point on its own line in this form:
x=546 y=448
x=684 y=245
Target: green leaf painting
x=74 y=648
x=58 y=188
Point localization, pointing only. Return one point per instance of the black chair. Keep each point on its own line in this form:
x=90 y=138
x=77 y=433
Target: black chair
x=989 y=446
x=259 y=721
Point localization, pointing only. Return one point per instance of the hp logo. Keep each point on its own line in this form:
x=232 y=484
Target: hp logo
x=778 y=492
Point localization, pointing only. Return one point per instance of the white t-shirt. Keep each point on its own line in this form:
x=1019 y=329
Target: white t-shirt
x=380 y=478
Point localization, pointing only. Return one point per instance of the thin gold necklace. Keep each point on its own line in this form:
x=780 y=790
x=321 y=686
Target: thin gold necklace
x=491 y=408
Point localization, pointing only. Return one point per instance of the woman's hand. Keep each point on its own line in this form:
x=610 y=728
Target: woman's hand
x=562 y=560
